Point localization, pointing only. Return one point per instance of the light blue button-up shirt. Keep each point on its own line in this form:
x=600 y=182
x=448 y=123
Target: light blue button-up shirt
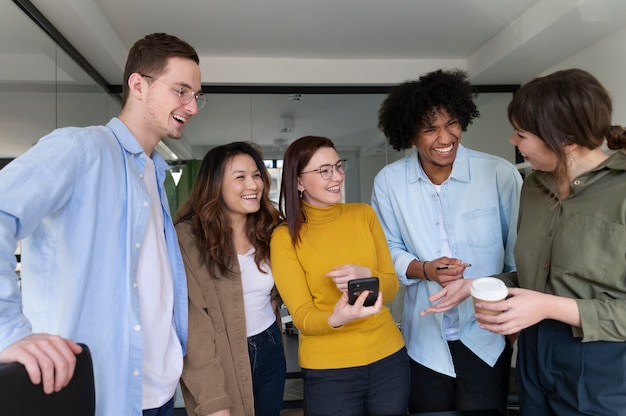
x=77 y=201
x=480 y=202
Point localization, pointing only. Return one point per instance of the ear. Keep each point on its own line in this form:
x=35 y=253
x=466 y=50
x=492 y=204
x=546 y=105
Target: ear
x=569 y=147
x=136 y=85
x=300 y=186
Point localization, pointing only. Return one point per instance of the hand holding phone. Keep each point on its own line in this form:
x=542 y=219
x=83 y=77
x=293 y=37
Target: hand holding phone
x=357 y=286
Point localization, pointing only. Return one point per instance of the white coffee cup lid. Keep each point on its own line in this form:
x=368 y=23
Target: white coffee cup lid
x=489 y=288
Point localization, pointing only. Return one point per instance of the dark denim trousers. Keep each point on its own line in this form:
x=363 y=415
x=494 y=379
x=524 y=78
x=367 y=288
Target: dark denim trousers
x=267 y=362
x=558 y=374
x=377 y=389
x=166 y=410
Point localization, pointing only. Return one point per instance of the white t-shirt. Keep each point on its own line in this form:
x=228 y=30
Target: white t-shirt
x=162 y=352
x=450 y=318
x=257 y=288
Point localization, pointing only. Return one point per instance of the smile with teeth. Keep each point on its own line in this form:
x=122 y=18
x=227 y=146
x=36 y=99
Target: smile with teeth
x=249 y=196
x=334 y=189
x=444 y=149
x=180 y=118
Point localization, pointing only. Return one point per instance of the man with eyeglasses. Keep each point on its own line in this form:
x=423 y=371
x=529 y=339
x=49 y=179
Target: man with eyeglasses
x=100 y=258
x=443 y=208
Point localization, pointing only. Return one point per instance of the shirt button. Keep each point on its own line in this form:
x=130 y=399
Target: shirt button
x=136 y=373
x=550 y=233
x=135 y=285
x=137 y=245
x=145 y=204
x=137 y=328
x=545 y=266
x=141 y=175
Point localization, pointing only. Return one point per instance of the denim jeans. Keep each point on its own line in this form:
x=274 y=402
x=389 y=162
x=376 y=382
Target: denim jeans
x=166 y=410
x=558 y=374
x=267 y=362
x=377 y=389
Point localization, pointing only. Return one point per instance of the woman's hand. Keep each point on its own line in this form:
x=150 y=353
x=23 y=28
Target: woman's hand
x=223 y=412
x=450 y=296
x=343 y=274
x=526 y=308
x=344 y=312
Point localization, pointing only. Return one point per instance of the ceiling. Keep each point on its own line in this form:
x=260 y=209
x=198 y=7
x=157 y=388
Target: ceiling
x=325 y=50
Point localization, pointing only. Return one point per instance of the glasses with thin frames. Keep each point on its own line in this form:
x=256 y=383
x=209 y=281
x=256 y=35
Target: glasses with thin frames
x=326 y=171
x=185 y=95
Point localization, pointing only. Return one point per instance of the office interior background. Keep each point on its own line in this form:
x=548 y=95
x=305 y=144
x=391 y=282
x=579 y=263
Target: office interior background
x=276 y=70
x=279 y=69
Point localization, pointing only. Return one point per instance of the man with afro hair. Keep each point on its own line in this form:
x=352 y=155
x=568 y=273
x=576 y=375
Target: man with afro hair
x=443 y=208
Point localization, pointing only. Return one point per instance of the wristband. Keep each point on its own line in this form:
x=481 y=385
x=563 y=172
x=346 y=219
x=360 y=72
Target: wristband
x=424 y=270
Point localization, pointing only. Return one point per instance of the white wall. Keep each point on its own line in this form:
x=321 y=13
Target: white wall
x=490 y=132
x=607 y=62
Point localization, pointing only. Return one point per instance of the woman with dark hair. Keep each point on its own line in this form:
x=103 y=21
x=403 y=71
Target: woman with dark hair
x=235 y=364
x=571 y=251
x=352 y=356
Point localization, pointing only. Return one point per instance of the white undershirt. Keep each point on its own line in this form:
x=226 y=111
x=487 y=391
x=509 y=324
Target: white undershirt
x=257 y=290
x=162 y=352
x=450 y=318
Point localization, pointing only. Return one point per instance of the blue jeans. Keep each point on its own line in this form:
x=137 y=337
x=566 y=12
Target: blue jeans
x=267 y=362
x=377 y=389
x=166 y=410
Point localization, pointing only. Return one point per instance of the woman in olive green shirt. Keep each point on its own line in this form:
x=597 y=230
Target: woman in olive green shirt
x=570 y=253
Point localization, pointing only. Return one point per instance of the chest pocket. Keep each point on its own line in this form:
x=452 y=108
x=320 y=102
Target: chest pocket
x=483 y=227
x=591 y=248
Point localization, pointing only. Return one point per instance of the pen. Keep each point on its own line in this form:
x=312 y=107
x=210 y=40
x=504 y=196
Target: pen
x=453 y=266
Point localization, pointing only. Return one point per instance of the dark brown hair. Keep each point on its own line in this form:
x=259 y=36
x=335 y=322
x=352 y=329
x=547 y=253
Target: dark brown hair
x=565 y=107
x=150 y=55
x=297 y=156
x=211 y=223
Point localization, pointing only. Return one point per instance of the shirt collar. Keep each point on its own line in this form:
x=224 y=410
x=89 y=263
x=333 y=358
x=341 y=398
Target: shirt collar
x=460 y=167
x=128 y=141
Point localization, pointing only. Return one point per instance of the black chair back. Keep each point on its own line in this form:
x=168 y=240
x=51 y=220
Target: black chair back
x=20 y=397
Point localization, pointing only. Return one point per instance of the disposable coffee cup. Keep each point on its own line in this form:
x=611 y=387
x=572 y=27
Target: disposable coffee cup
x=488 y=290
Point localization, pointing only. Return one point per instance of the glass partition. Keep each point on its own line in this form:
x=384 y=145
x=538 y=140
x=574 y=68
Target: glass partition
x=41 y=87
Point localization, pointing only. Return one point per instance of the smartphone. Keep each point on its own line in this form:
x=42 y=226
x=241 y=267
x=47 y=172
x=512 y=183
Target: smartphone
x=357 y=286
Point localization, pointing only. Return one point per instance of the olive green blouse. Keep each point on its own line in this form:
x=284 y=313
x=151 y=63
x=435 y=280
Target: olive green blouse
x=576 y=247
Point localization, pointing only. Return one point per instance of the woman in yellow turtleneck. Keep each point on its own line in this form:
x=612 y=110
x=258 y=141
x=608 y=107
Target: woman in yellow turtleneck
x=352 y=356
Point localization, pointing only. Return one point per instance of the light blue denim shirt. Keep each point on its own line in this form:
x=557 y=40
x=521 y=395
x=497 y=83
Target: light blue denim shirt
x=480 y=202
x=78 y=203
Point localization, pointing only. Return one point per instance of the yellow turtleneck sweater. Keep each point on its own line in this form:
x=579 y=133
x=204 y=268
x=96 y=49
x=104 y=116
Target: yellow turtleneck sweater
x=335 y=236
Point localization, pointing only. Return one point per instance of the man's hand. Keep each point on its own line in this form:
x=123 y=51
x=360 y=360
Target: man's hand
x=49 y=359
x=449 y=297
x=445 y=270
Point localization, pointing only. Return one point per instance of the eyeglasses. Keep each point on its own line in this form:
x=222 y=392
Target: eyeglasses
x=326 y=171
x=185 y=95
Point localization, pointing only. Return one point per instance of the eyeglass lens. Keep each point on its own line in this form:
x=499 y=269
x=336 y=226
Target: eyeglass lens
x=186 y=96
x=326 y=171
